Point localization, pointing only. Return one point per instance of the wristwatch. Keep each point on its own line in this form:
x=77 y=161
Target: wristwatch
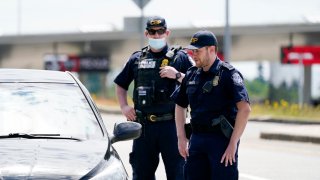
x=178 y=75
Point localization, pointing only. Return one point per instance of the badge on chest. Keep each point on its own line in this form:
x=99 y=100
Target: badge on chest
x=215 y=81
x=165 y=62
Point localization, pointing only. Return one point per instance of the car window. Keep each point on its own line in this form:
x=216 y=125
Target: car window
x=46 y=108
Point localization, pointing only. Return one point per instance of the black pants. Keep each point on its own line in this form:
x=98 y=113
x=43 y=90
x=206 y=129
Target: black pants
x=205 y=153
x=156 y=138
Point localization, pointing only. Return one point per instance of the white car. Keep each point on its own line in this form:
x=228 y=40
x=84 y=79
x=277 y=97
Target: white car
x=50 y=128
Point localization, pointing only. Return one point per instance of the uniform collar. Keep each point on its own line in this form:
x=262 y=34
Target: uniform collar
x=215 y=66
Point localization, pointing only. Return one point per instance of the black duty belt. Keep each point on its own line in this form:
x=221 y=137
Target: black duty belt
x=162 y=117
x=141 y=117
x=219 y=124
x=204 y=128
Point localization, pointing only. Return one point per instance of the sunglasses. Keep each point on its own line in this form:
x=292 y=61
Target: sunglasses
x=154 y=31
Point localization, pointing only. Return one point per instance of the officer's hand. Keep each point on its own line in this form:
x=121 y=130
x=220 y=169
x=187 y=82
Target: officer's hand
x=183 y=147
x=229 y=155
x=129 y=112
x=168 y=72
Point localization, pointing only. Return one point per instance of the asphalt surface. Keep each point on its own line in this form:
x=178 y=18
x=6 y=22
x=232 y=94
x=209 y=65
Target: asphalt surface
x=288 y=130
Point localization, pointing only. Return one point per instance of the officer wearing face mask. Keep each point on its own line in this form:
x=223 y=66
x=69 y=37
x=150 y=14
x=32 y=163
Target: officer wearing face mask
x=155 y=70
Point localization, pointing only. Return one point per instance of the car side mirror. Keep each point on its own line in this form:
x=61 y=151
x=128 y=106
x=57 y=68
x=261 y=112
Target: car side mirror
x=125 y=131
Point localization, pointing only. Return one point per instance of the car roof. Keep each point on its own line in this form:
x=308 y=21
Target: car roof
x=35 y=75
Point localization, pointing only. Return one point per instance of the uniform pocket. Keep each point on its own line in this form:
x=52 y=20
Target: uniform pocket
x=191 y=89
x=144 y=96
x=161 y=95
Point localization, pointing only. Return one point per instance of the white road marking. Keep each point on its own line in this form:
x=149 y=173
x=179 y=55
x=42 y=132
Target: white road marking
x=251 y=177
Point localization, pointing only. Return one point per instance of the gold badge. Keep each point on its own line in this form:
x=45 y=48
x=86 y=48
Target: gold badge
x=193 y=40
x=155 y=22
x=215 y=81
x=164 y=62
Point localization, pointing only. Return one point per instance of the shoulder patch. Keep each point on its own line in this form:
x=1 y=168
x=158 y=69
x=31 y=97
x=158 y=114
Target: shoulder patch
x=227 y=65
x=237 y=79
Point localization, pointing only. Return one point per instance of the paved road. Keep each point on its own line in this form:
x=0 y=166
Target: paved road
x=259 y=159
x=272 y=159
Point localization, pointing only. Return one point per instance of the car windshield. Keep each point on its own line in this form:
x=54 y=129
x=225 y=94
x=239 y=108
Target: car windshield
x=46 y=108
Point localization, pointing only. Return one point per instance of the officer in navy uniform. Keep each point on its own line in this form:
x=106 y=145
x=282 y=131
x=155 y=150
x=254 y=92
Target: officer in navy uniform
x=220 y=108
x=156 y=70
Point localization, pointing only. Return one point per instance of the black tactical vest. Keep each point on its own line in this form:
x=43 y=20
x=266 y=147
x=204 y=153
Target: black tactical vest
x=151 y=92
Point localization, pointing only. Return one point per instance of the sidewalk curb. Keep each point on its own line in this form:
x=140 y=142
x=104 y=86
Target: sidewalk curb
x=115 y=110
x=263 y=135
x=289 y=137
x=274 y=120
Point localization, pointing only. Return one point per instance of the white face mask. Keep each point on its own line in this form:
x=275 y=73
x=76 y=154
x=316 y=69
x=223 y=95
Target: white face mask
x=157 y=44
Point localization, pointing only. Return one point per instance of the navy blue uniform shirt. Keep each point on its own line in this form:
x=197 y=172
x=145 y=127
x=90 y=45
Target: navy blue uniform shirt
x=227 y=89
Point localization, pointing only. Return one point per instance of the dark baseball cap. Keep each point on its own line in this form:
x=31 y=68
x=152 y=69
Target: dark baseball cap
x=201 y=39
x=156 y=21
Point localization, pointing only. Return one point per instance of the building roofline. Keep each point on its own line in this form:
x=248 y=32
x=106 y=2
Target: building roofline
x=176 y=33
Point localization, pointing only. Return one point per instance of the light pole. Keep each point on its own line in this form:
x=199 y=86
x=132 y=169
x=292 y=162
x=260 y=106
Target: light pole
x=18 y=17
x=141 y=4
x=301 y=56
x=227 y=36
x=141 y=27
x=301 y=82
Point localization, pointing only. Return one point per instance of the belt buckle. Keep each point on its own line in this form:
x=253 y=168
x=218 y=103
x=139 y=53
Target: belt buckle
x=153 y=118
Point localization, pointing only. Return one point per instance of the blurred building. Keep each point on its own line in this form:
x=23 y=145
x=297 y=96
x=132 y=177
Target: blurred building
x=97 y=56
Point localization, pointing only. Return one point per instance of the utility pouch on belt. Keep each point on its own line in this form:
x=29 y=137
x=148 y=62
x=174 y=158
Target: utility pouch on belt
x=139 y=115
x=225 y=126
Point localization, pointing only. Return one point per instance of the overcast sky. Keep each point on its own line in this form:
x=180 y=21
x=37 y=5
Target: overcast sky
x=59 y=16
x=49 y=16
